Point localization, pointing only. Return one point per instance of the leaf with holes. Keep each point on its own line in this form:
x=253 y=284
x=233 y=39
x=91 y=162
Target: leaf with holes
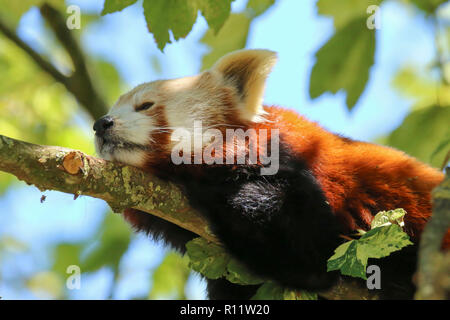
x=207 y=258
x=351 y=257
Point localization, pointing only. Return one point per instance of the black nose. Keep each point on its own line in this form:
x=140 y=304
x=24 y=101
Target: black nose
x=102 y=124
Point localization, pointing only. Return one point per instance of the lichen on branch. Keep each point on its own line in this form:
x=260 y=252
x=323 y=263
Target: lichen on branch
x=121 y=186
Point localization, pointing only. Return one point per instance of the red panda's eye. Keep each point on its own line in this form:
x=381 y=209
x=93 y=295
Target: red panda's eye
x=145 y=106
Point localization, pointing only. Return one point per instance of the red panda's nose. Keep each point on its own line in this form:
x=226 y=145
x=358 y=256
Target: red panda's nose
x=102 y=124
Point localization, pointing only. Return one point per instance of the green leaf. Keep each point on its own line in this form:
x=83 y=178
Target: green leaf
x=351 y=257
x=258 y=7
x=346 y=260
x=66 y=254
x=179 y=16
x=269 y=291
x=345 y=11
x=382 y=241
x=46 y=285
x=444 y=145
x=207 y=258
x=238 y=273
x=108 y=80
x=212 y=261
x=232 y=36
x=12 y=11
x=170 y=278
x=383 y=218
x=114 y=241
x=215 y=12
x=424 y=89
x=421 y=134
x=111 y=6
x=429 y=6
x=343 y=63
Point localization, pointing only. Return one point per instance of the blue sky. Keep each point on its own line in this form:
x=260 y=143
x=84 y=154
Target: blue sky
x=293 y=29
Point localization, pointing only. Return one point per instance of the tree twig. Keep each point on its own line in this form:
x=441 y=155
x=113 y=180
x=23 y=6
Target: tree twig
x=79 y=83
x=40 y=61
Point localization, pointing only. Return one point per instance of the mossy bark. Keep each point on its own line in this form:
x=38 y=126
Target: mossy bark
x=121 y=186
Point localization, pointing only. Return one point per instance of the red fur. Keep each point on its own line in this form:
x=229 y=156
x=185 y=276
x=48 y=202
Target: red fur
x=360 y=179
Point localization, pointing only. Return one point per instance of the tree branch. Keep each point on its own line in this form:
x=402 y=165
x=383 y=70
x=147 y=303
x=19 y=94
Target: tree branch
x=121 y=186
x=79 y=83
x=40 y=61
x=434 y=265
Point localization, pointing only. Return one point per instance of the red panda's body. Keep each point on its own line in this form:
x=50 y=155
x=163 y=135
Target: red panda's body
x=360 y=179
x=284 y=225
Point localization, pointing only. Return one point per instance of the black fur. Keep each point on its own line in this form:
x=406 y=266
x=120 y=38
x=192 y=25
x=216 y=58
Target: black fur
x=281 y=226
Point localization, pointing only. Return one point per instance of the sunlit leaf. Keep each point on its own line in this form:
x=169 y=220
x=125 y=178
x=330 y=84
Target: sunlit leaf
x=344 y=62
x=424 y=90
x=345 y=11
x=109 y=82
x=114 y=242
x=179 y=16
x=12 y=11
x=429 y=6
x=384 y=218
x=421 y=133
x=258 y=7
x=66 y=254
x=351 y=257
x=111 y=6
x=232 y=36
x=207 y=258
x=46 y=285
x=170 y=278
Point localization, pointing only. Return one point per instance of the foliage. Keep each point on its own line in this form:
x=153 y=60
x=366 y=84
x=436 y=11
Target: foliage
x=170 y=278
x=15 y=9
x=213 y=262
x=385 y=237
x=177 y=16
x=233 y=35
x=348 y=56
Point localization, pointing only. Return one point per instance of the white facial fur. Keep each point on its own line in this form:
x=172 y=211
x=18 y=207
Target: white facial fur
x=131 y=131
x=184 y=101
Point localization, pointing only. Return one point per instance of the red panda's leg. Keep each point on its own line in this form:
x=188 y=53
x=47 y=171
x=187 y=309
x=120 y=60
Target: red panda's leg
x=159 y=229
x=280 y=226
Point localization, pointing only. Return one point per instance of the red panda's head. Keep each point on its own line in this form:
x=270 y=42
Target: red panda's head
x=137 y=130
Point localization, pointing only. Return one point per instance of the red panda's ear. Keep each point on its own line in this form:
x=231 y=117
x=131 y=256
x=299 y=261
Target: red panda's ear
x=247 y=70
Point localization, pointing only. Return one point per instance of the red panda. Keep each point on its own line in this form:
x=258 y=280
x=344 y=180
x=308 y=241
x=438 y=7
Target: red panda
x=285 y=225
